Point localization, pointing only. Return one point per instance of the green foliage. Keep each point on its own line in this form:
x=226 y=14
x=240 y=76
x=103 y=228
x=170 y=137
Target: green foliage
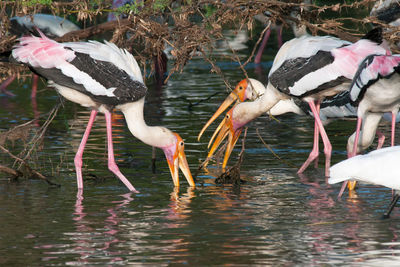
x=95 y=3
x=134 y=8
x=209 y=10
x=160 y=5
x=36 y=2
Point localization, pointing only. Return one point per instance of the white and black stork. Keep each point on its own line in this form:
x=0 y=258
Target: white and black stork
x=308 y=68
x=102 y=77
x=375 y=89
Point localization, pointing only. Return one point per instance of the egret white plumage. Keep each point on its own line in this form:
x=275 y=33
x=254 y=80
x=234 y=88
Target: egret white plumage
x=101 y=76
x=308 y=68
x=380 y=167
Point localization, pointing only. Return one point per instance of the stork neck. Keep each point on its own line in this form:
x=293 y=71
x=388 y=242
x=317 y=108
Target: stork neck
x=367 y=134
x=151 y=135
x=248 y=111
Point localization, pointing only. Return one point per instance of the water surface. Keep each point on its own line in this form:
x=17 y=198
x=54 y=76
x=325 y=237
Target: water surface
x=276 y=218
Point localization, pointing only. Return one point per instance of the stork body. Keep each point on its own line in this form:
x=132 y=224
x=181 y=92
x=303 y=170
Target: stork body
x=380 y=167
x=376 y=90
x=101 y=77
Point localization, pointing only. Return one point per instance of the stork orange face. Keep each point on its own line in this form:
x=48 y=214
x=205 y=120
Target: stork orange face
x=238 y=94
x=176 y=159
x=225 y=129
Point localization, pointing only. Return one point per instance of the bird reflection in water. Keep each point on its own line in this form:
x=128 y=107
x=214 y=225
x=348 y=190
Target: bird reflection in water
x=179 y=206
x=318 y=209
x=87 y=244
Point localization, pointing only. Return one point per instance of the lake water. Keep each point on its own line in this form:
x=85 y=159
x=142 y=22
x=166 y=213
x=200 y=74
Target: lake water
x=275 y=218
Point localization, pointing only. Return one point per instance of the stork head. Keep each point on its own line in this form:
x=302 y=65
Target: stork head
x=176 y=159
x=226 y=129
x=246 y=89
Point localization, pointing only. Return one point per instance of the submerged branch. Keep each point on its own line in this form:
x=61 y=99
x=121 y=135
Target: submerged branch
x=273 y=153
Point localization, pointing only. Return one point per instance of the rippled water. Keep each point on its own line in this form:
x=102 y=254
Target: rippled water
x=276 y=218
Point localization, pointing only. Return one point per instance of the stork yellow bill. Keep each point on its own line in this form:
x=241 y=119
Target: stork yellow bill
x=176 y=159
x=226 y=128
x=240 y=93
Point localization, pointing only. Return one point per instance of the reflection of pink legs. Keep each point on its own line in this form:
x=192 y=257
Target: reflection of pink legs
x=35 y=80
x=6 y=83
x=112 y=166
x=9 y=80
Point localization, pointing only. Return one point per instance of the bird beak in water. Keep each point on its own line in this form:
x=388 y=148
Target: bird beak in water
x=179 y=161
x=225 y=129
x=238 y=93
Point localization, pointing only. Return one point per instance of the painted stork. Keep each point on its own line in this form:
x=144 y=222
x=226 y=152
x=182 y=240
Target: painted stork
x=375 y=88
x=101 y=76
x=379 y=167
x=338 y=107
x=52 y=26
x=308 y=68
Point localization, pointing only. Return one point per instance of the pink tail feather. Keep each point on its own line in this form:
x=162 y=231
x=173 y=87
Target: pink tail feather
x=41 y=52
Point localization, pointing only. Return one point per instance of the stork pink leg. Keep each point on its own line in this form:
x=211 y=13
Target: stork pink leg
x=79 y=153
x=35 y=79
x=353 y=153
x=381 y=139
x=393 y=126
x=112 y=166
x=314 y=152
x=324 y=136
x=393 y=132
x=355 y=145
x=6 y=83
x=257 y=59
x=316 y=139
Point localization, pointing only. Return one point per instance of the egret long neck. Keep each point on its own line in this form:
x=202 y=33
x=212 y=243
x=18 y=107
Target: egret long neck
x=150 y=135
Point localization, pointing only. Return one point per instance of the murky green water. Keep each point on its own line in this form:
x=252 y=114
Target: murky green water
x=276 y=218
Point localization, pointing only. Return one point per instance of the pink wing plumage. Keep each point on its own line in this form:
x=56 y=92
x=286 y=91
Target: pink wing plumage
x=371 y=69
x=42 y=52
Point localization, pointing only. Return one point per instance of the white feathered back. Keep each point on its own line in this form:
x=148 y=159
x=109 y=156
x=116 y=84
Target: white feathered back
x=109 y=52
